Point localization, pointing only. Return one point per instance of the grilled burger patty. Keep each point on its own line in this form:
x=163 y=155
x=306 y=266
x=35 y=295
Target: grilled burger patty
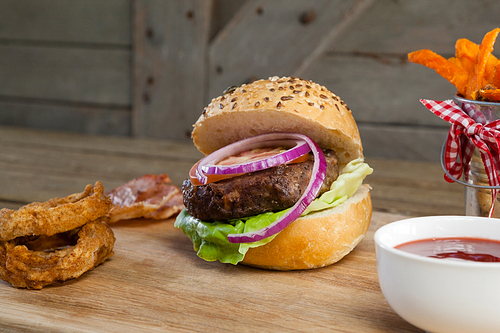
x=254 y=193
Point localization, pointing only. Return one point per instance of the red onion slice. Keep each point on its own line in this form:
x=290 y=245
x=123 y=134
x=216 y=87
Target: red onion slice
x=208 y=164
x=317 y=178
x=301 y=148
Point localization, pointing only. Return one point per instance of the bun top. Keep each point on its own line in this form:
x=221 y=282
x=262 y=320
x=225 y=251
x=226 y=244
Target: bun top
x=279 y=105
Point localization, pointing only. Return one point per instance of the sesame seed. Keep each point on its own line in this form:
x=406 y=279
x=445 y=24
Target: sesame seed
x=257 y=104
x=307 y=94
x=338 y=109
x=243 y=91
x=280 y=88
x=230 y=90
x=310 y=103
x=297 y=91
x=298 y=85
x=272 y=90
x=234 y=99
x=308 y=86
x=335 y=97
x=266 y=99
x=321 y=106
x=323 y=96
x=291 y=87
x=234 y=105
x=286 y=98
x=279 y=105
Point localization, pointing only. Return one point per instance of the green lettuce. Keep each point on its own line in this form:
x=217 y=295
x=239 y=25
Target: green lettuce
x=210 y=239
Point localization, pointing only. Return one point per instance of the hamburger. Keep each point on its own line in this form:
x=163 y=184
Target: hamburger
x=280 y=186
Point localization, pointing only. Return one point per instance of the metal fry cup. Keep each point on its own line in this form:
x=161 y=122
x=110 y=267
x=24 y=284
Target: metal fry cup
x=477 y=190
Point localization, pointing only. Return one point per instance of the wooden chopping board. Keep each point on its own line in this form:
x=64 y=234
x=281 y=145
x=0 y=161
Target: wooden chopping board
x=156 y=283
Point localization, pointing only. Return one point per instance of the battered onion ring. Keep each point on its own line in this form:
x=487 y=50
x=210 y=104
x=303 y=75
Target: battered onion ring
x=26 y=262
x=56 y=215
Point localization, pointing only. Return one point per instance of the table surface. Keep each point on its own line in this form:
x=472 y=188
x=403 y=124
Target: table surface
x=155 y=281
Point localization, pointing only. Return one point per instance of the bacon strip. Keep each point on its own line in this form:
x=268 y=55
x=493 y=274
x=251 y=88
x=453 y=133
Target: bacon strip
x=149 y=196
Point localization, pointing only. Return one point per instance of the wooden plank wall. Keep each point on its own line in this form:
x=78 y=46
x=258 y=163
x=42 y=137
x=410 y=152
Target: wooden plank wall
x=146 y=68
x=169 y=72
x=358 y=50
x=66 y=65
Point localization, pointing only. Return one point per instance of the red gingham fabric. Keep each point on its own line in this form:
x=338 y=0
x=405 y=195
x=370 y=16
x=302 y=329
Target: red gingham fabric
x=467 y=132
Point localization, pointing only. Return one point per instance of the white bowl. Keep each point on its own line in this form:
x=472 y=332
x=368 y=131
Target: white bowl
x=440 y=295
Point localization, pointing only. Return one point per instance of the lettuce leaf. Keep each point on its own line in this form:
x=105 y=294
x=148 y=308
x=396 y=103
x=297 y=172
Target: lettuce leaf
x=343 y=188
x=210 y=239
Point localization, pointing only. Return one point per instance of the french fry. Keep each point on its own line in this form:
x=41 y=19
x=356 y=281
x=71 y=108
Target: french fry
x=476 y=78
x=490 y=95
x=452 y=72
x=490 y=68
x=466 y=52
x=456 y=61
x=495 y=80
x=474 y=70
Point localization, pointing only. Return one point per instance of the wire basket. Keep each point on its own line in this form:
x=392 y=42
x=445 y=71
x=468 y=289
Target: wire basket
x=477 y=192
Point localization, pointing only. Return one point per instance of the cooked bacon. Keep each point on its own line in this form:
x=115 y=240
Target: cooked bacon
x=149 y=196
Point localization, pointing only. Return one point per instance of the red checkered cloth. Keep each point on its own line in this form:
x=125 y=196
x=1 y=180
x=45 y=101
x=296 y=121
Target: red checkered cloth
x=468 y=131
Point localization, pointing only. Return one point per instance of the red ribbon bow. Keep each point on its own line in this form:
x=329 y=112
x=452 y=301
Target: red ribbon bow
x=468 y=131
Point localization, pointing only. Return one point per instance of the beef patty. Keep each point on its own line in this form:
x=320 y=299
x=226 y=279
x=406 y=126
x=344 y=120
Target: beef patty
x=272 y=189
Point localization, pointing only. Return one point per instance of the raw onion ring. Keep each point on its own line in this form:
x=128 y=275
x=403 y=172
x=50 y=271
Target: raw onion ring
x=293 y=213
x=208 y=164
x=215 y=178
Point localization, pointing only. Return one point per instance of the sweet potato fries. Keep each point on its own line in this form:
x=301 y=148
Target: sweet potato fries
x=474 y=71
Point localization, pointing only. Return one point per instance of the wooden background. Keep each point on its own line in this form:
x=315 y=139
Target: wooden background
x=146 y=68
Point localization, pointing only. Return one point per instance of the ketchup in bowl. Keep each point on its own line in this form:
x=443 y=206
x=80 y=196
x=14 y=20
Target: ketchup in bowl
x=464 y=248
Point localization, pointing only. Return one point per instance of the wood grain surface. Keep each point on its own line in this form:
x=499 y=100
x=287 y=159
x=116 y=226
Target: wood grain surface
x=156 y=283
x=147 y=68
x=169 y=74
x=38 y=165
x=57 y=21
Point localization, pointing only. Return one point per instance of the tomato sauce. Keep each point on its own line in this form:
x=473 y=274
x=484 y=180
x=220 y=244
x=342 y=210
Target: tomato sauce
x=462 y=248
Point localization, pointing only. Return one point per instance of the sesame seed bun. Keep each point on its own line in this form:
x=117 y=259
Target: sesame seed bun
x=279 y=105
x=301 y=106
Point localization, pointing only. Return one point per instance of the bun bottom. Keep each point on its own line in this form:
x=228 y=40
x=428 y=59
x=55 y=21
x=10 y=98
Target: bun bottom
x=319 y=239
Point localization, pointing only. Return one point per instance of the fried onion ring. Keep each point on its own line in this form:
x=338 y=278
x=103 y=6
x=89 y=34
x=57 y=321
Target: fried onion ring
x=36 y=261
x=56 y=215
